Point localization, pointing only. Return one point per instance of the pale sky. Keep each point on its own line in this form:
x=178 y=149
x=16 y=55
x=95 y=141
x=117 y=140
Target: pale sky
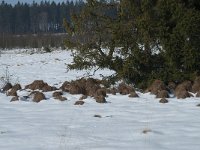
x=30 y=1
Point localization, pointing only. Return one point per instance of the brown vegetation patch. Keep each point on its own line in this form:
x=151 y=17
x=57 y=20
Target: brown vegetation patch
x=163 y=100
x=90 y=82
x=15 y=98
x=186 y=85
x=61 y=98
x=112 y=91
x=196 y=85
x=17 y=87
x=100 y=99
x=156 y=86
x=195 y=88
x=162 y=94
x=37 y=84
x=91 y=91
x=12 y=92
x=38 y=96
x=40 y=85
x=65 y=86
x=7 y=87
x=92 y=86
x=125 y=89
x=79 y=103
x=181 y=91
x=171 y=87
x=47 y=88
x=101 y=91
x=133 y=94
x=56 y=94
x=83 y=97
x=82 y=86
x=182 y=94
x=77 y=87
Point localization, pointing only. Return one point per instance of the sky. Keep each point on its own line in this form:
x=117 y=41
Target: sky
x=30 y=1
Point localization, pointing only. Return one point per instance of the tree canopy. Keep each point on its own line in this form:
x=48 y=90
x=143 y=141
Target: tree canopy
x=139 y=39
x=45 y=17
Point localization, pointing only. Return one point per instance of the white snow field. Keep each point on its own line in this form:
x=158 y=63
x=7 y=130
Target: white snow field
x=55 y=125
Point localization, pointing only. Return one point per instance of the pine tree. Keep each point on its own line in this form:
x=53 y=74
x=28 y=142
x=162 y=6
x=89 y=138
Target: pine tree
x=90 y=32
x=97 y=37
x=179 y=36
x=142 y=40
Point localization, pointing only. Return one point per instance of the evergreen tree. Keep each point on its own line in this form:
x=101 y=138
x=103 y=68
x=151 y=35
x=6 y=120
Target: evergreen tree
x=91 y=32
x=179 y=36
x=24 y=18
x=144 y=40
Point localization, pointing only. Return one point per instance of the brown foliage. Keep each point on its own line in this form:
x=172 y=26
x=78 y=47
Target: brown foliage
x=47 y=88
x=125 y=89
x=40 y=85
x=182 y=94
x=101 y=91
x=61 y=98
x=79 y=103
x=12 y=92
x=100 y=99
x=83 y=97
x=156 y=86
x=37 y=84
x=7 y=86
x=38 y=96
x=162 y=94
x=17 y=87
x=91 y=82
x=65 y=86
x=56 y=94
x=15 y=98
x=196 y=85
x=83 y=86
x=77 y=87
x=181 y=91
x=163 y=100
x=92 y=86
x=133 y=94
x=171 y=87
x=91 y=91
x=187 y=85
x=112 y=91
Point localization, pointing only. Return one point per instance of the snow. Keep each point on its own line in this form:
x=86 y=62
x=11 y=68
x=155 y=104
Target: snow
x=25 y=66
x=55 y=125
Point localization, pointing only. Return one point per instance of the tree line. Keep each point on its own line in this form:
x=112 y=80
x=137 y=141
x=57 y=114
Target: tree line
x=46 y=17
x=35 y=25
x=142 y=41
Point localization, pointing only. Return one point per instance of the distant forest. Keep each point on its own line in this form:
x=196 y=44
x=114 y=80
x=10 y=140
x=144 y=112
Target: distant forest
x=46 y=17
x=35 y=25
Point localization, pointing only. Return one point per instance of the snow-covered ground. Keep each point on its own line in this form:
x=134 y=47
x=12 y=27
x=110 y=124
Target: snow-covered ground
x=24 y=67
x=55 y=125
